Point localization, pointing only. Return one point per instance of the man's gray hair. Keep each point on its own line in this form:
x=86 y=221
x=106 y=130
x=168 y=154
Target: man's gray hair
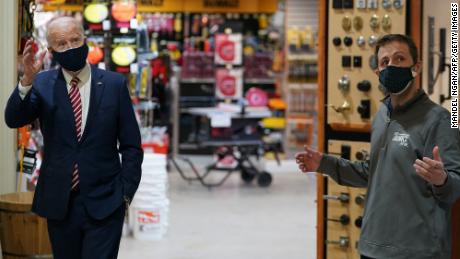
x=61 y=20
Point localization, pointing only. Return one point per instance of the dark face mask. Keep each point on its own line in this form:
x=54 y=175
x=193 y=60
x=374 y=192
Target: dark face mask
x=72 y=59
x=396 y=79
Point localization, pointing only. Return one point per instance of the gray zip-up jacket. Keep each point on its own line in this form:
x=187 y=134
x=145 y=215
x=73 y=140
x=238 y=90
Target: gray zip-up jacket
x=404 y=216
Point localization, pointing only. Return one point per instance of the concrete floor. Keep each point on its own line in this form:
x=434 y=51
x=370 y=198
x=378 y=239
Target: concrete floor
x=236 y=220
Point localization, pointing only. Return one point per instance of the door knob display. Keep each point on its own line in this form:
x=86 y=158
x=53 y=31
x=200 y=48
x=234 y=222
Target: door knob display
x=343 y=242
x=343 y=219
x=386 y=4
x=343 y=197
x=372 y=4
x=372 y=40
x=358 y=23
x=361 y=41
x=344 y=83
x=346 y=106
x=364 y=86
x=386 y=22
x=364 y=109
x=348 y=41
x=362 y=155
x=346 y=23
x=360 y=199
x=373 y=62
x=398 y=4
x=374 y=22
x=336 y=41
x=361 y=4
x=359 y=222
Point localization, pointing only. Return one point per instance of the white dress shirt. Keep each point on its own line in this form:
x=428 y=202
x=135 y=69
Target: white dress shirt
x=84 y=86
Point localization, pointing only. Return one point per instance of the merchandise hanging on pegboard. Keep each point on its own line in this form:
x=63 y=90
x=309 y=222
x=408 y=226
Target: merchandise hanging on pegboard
x=26 y=23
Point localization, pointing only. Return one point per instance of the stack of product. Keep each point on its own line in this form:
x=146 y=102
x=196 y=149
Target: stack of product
x=148 y=214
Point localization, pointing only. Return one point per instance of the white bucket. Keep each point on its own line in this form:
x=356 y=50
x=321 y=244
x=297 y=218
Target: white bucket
x=149 y=222
x=146 y=199
x=146 y=178
x=151 y=159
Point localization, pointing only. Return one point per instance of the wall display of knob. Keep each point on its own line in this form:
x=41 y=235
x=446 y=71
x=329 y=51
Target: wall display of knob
x=361 y=4
x=348 y=41
x=347 y=4
x=344 y=83
x=398 y=4
x=346 y=61
x=337 y=41
x=358 y=23
x=364 y=86
x=359 y=222
x=372 y=40
x=346 y=106
x=346 y=23
x=343 y=219
x=360 y=199
x=343 y=242
x=372 y=4
x=361 y=41
x=386 y=22
x=374 y=22
x=345 y=151
x=373 y=62
x=364 y=109
x=343 y=197
x=362 y=155
x=386 y=4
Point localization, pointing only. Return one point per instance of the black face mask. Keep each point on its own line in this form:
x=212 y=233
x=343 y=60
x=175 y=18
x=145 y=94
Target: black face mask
x=72 y=59
x=396 y=79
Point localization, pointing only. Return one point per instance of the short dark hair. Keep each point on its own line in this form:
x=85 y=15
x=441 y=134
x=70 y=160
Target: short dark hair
x=384 y=40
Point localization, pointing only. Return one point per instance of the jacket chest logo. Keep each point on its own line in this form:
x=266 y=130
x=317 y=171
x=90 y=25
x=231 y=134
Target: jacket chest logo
x=401 y=138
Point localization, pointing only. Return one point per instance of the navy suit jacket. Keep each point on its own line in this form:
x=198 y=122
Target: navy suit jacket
x=111 y=129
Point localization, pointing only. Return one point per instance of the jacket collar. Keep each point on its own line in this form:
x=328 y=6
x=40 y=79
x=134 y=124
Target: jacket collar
x=419 y=97
x=97 y=89
x=83 y=75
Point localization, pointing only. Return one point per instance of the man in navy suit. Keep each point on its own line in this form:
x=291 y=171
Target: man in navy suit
x=87 y=120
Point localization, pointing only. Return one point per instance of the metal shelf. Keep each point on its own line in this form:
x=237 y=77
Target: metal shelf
x=313 y=58
x=188 y=145
x=194 y=80
x=260 y=81
x=303 y=86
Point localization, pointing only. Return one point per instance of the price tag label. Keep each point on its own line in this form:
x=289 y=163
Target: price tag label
x=134 y=68
x=106 y=25
x=221 y=120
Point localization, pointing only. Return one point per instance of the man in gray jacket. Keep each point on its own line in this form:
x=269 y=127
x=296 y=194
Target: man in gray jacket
x=413 y=175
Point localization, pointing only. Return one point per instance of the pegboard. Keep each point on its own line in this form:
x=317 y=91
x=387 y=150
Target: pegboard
x=357 y=29
x=353 y=208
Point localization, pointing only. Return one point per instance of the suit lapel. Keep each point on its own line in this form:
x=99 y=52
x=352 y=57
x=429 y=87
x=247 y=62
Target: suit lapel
x=97 y=89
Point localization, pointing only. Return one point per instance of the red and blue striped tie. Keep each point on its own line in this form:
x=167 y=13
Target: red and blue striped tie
x=75 y=100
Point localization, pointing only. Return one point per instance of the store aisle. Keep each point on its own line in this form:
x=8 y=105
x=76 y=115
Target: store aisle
x=237 y=221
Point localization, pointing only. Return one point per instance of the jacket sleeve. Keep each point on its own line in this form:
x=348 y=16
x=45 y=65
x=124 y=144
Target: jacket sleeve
x=22 y=111
x=345 y=172
x=129 y=145
x=448 y=141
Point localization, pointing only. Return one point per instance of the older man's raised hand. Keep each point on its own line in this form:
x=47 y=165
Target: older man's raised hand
x=32 y=64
